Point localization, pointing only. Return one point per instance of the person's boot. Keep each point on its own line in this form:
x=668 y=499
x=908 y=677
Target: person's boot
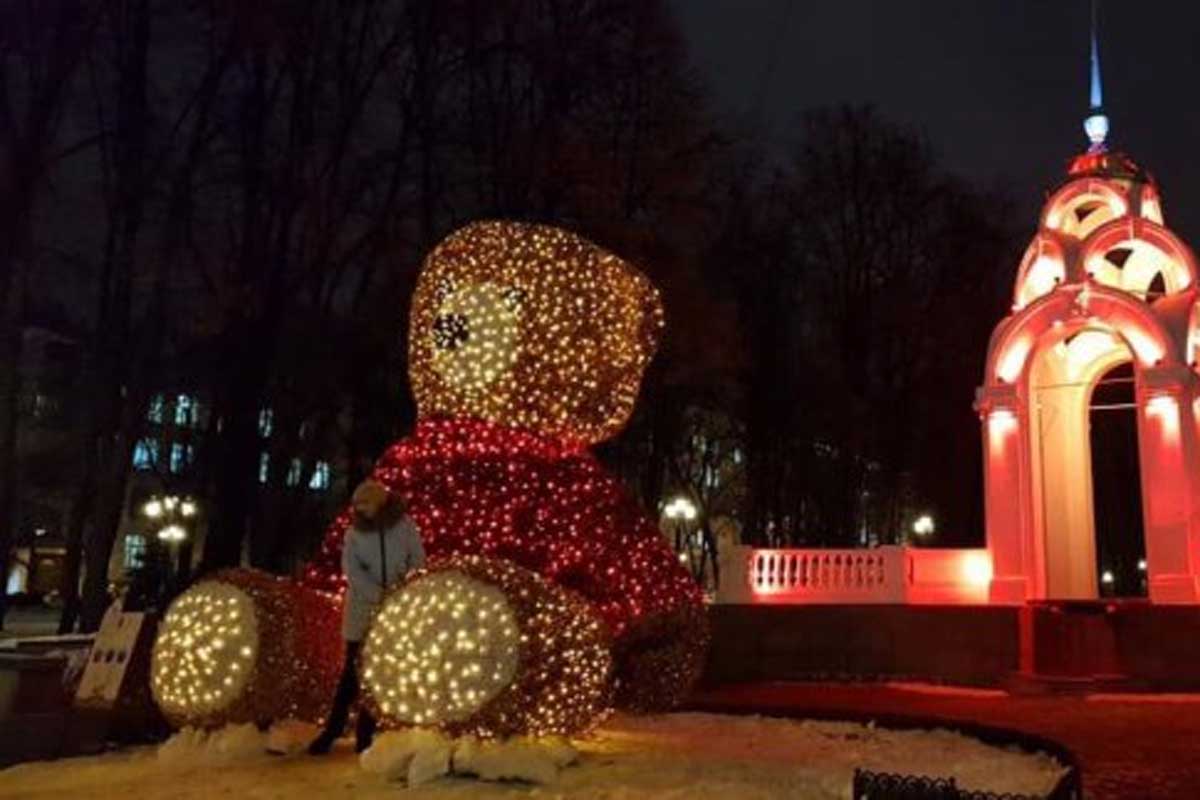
x=364 y=731
x=322 y=744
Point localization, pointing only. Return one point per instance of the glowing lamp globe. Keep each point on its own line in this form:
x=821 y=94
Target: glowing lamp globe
x=1096 y=128
x=245 y=646
x=480 y=646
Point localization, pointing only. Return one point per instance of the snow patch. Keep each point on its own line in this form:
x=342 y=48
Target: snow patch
x=419 y=756
x=416 y=755
x=290 y=737
x=231 y=743
x=517 y=759
x=429 y=763
x=662 y=757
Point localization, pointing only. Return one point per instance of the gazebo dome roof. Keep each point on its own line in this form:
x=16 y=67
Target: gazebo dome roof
x=1105 y=164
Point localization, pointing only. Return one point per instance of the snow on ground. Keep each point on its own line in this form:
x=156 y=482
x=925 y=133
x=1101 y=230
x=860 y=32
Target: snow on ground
x=667 y=757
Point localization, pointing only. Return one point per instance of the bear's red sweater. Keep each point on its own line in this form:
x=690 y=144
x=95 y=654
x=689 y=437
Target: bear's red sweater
x=475 y=487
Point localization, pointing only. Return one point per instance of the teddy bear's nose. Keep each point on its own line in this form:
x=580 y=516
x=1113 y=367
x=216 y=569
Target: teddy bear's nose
x=450 y=331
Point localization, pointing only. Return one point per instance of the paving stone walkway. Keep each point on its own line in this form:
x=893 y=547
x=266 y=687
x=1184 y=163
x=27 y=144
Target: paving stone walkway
x=1131 y=747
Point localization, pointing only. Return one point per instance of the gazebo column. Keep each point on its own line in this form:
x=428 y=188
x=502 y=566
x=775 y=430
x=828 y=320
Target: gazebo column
x=1168 y=448
x=1005 y=466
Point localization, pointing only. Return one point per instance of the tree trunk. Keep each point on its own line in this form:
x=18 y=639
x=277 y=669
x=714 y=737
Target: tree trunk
x=81 y=510
x=238 y=447
x=15 y=248
x=119 y=358
x=10 y=389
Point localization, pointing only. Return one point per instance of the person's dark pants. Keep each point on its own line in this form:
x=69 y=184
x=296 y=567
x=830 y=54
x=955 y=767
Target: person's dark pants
x=343 y=698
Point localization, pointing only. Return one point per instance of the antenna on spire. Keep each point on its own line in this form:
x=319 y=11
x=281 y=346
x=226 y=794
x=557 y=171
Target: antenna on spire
x=1096 y=125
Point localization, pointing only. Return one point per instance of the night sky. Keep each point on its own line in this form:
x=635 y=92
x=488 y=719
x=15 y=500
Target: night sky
x=998 y=87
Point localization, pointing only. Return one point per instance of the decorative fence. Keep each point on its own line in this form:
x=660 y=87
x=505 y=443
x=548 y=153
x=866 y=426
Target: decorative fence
x=869 y=785
x=836 y=575
x=885 y=786
x=879 y=575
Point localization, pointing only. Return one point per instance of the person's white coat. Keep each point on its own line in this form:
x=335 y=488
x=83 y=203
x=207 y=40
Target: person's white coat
x=372 y=561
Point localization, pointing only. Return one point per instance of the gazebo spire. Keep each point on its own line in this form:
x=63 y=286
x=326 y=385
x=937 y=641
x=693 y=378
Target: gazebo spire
x=1096 y=124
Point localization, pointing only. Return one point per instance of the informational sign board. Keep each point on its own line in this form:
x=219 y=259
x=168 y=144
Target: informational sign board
x=109 y=662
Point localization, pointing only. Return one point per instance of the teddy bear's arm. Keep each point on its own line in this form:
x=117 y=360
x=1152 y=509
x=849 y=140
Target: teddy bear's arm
x=326 y=571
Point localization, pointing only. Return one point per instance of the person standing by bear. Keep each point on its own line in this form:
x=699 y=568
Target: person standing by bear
x=378 y=552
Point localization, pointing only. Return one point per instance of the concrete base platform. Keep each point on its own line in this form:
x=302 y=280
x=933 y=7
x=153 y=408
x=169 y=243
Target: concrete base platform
x=1068 y=646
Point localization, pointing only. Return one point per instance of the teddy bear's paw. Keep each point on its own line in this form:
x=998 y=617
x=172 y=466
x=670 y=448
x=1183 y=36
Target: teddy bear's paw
x=244 y=646
x=477 y=645
x=441 y=648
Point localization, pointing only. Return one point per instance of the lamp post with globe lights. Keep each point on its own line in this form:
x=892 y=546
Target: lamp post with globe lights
x=681 y=511
x=170 y=516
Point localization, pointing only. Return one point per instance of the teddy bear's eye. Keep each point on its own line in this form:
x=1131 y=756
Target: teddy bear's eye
x=450 y=331
x=513 y=298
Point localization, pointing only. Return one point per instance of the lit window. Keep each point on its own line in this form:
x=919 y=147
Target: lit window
x=156 y=410
x=264 y=467
x=135 y=551
x=145 y=454
x=181 y=457
x=293 y=474
x=266 y=422
x=18 y=576
x=187 y=410
x=42 y=406
x=320 y=476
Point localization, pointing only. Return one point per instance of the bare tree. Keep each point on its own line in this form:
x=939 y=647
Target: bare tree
x=891 y=243
x=708 y=466
x=41 y=48
x=317 y=176
x=148 y=164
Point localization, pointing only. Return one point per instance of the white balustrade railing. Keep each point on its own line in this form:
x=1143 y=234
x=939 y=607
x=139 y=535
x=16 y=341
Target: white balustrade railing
x=890 y=574
x=835 y=575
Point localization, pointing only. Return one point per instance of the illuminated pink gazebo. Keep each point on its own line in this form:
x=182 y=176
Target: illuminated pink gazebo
x=1103 y=283
x=1106 y=296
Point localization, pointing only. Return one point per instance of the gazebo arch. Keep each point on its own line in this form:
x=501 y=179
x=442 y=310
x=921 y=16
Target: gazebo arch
x=1082 y=205
x=1149 y=249
x=1076 y=305
x=1043 y=365
x=1043 y=267
x=1192 y=352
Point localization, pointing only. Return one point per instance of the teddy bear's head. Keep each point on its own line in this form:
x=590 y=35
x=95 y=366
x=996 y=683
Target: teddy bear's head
x=531 y=326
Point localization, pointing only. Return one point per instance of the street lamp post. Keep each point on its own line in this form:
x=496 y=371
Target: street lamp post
x=682 y=511
x=171 y=515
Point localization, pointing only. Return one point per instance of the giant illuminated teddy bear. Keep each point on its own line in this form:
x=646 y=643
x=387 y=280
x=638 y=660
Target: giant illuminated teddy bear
x=527 y=345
